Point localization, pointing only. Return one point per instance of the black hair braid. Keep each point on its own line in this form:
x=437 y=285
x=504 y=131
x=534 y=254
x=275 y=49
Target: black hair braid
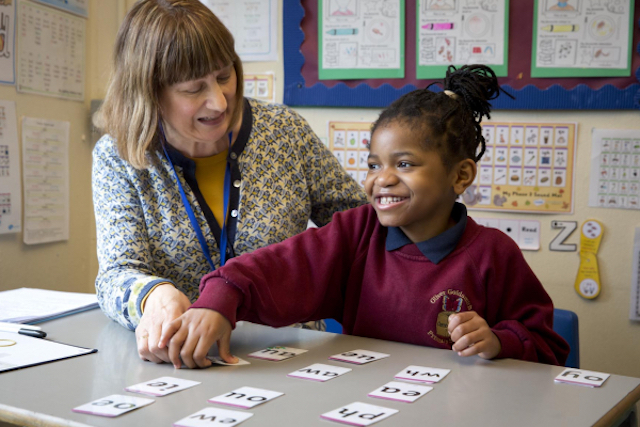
x=448 y=124
x=476 y=85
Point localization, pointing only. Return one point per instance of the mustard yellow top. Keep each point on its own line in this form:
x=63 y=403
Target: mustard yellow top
x=210 y=178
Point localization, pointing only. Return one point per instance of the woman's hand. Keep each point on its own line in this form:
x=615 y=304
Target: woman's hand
x=472 y=335
x=164 y=304
x=191 y=336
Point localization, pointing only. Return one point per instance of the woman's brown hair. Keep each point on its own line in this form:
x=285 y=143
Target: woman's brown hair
x=161 y=42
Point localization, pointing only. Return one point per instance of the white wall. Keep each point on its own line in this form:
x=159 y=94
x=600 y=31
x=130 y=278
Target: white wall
x=609 y=341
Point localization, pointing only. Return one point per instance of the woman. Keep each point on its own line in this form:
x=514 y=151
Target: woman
x=183 y=147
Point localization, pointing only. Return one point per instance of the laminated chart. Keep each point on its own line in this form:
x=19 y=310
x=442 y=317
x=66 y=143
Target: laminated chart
x=527 y=167
x=10 y=196
x=349 y=141
x=582 y=38
x=360 y=39
x=615 y=169
x=461 y=32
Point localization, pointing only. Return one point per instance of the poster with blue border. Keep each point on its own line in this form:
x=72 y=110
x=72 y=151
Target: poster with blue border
x=77 y=7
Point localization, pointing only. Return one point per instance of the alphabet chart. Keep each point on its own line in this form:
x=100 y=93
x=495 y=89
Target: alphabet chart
x=349 y=141
x=615 y=169
x=527 y=167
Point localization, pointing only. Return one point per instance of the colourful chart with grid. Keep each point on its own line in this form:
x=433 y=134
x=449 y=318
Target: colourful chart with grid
x=616 y=172
x=349 y=141
x=527 y=167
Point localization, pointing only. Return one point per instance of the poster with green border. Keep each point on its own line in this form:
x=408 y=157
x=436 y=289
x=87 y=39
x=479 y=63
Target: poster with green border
x=452 y=32
x=579 y=38
x=358 y=40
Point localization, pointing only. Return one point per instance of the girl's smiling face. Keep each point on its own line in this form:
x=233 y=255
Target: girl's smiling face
x=409 y=186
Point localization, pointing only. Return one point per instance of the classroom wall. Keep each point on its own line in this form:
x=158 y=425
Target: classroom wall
x=610 y=342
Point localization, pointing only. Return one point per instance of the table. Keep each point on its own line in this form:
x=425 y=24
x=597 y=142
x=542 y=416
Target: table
x=476 y=392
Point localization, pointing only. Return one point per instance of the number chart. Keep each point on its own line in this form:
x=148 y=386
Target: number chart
x=527 y=167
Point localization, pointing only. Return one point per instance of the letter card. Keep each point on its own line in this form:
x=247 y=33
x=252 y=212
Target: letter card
x=359 y=414
x=213 y=416
x=422 y=374
x=277 y=353
x=319 y=372
x=246 y=397
x=359 y=357
x=582 y=377
x=112 y=406
x=162 y=386
x=402 y=392
x=218 y=360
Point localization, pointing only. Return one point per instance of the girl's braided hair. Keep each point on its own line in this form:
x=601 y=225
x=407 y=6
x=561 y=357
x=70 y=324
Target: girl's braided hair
x=449 y=120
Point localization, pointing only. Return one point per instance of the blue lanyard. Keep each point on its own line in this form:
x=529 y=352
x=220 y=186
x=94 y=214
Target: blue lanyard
x=192 y=217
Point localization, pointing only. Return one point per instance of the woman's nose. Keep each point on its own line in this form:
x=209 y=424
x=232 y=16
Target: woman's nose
x=215 y=98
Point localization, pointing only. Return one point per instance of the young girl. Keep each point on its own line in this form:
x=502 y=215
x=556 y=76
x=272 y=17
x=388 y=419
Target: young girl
x=409 y=267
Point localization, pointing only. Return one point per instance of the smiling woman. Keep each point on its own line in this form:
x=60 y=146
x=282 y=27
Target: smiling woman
x=190 y=172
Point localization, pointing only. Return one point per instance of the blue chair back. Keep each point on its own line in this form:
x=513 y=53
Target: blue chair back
x=333 y=326
x=565 y=323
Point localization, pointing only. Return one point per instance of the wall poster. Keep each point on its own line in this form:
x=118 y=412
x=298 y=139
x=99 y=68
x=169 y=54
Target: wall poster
x=527 y=167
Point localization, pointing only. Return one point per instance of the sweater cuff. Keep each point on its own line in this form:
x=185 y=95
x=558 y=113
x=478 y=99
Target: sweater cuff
x=221 y=296
x=511 y=345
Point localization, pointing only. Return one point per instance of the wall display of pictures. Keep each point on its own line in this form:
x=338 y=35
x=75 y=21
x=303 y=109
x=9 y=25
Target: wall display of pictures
x=615 y=169
x=527 y=167
x=348 y=141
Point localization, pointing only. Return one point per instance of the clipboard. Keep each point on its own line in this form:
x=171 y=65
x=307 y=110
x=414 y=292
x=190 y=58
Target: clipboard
x=20 y=351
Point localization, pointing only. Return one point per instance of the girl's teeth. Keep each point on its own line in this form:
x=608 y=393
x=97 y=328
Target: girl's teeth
x=389 y=200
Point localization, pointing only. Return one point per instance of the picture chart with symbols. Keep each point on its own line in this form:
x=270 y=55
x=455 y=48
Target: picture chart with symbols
x=527 y=167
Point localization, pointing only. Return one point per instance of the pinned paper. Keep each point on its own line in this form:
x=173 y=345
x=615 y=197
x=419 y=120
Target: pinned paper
x=588 y=279
x=277 y=353
x=401 y=392
x=359 y=357
x=214 y=416
x=319 y=372
x=112 y=406
x=246 y=397
x=582 y=377
x=422 y=374
x=359 y=414
x=161 y=386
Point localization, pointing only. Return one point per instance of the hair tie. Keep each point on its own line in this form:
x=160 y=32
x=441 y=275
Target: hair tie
x=450 y=93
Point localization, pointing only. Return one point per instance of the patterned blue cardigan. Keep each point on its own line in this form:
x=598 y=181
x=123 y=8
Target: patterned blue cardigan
x=283 y=176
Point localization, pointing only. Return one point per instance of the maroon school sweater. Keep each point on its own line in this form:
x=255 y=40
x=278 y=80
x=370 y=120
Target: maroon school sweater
x=343 y=271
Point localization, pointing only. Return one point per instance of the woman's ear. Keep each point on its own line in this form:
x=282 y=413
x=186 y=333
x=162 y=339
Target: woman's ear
x=465 y=172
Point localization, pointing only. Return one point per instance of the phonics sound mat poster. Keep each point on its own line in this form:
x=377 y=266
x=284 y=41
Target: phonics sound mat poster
x=349 y=141
x=527 y=167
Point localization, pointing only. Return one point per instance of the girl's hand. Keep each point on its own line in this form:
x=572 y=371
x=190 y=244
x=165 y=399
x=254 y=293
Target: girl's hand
x=472 y=335
x=190 y=337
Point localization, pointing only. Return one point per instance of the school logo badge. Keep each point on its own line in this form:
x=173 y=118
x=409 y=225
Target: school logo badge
x=451 y=301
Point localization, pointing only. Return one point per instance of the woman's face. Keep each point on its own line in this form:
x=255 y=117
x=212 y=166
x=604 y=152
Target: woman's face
x=197 y=113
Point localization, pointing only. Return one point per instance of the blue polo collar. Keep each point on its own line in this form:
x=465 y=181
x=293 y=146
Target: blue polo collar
x=436 y=248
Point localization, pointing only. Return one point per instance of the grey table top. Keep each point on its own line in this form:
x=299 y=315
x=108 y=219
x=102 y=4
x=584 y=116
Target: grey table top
x=476 y=392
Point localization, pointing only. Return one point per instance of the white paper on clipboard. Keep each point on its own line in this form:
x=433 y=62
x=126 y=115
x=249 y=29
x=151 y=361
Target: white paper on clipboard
x=21 y=351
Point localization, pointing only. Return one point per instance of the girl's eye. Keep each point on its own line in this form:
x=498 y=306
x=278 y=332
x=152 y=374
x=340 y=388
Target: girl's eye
x=373 y=166
x=404 y=164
